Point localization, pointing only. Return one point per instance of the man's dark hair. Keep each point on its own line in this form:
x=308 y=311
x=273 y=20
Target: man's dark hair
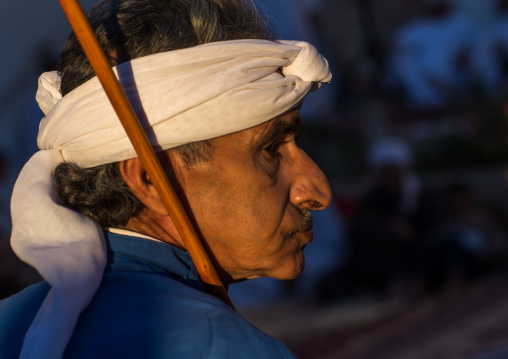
x=128 y=29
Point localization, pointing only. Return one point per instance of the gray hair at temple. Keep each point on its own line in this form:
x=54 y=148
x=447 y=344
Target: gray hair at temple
x=128 y=29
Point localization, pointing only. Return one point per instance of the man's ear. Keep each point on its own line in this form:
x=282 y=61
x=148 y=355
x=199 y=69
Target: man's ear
x=136 y=178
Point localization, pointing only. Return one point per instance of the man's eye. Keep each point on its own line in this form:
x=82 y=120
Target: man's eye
x=273 y=147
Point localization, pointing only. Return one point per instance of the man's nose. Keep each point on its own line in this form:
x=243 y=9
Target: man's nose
x=310 y=188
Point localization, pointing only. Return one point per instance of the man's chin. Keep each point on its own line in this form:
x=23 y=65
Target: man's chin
x=288 y=271
x=294 y=275
x=292 y=271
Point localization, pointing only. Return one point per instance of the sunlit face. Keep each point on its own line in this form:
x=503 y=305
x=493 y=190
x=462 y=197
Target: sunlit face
x=251 y=202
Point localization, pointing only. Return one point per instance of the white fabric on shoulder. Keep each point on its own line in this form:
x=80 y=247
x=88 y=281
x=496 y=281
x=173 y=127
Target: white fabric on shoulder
x=180 y=97
x=65 y=247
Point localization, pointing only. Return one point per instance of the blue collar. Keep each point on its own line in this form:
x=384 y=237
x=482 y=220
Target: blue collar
x=133 y=254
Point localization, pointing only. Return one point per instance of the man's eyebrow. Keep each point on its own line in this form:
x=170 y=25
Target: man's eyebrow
x=282 y=128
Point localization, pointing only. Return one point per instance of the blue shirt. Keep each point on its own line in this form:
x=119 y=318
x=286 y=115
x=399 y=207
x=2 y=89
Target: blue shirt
x=151 y=304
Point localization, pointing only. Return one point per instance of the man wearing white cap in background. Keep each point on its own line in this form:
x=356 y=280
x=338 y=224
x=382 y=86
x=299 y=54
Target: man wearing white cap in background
x=428 y=54
x=219 y=99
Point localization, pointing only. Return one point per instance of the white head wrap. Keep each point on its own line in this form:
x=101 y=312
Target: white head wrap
x=179 y=96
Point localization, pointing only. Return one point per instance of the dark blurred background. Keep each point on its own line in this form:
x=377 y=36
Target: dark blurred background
x=410 y=259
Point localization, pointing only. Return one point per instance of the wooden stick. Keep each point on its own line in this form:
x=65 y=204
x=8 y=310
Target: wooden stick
x=137 y=136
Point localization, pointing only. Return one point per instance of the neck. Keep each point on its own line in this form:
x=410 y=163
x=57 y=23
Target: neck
x=162 y=227
x=155 y=225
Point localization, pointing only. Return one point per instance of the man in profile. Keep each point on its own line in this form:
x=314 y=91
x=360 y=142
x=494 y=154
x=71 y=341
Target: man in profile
x=219 y=99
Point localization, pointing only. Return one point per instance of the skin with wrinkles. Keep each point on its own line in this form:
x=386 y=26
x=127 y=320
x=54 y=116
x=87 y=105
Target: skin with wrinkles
x=250 y=202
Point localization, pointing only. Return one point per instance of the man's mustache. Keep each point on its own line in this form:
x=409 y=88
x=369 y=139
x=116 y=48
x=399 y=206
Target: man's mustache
x=305 y=225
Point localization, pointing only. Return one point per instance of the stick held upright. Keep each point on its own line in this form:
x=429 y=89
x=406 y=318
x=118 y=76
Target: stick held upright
x=139 y=140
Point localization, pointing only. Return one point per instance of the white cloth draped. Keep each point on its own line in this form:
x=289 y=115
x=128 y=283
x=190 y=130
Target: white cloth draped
x=180 y=96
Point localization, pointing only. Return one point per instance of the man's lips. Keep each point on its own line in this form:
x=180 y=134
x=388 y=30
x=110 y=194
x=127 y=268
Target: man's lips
x=304 y=229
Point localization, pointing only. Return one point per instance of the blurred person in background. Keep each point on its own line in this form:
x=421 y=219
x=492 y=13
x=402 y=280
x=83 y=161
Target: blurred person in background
x=385 y=232
x=489 y=52
x=428 y=55
x=465 y=244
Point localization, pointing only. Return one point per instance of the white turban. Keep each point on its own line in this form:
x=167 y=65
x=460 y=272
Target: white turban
x=180 y=97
